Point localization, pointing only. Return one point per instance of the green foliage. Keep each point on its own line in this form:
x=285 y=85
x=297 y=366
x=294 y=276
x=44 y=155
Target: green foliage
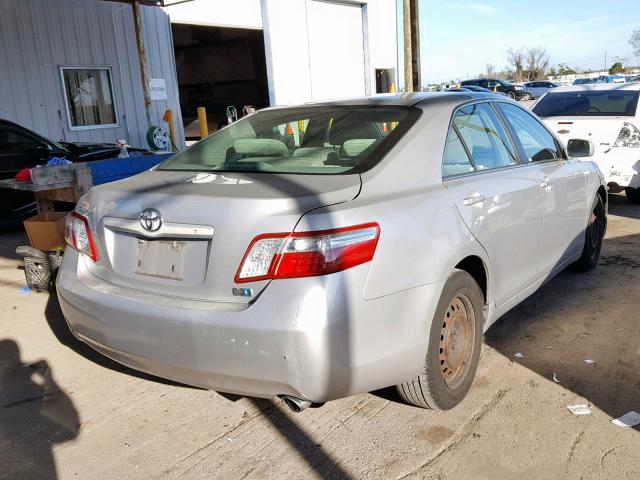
x=564 y=69
x=616 y=68
x=634 y=41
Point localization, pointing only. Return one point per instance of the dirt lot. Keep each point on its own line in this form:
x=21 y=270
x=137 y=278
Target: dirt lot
x=66 y=412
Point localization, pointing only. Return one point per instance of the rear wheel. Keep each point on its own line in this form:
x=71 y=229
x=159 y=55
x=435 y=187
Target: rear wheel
x=633 y=194
x=454 y=347
x=594 y=234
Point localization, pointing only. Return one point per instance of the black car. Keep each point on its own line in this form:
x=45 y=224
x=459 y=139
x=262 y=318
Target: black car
x=21 y=148
x=517 y=92
x=472 y=88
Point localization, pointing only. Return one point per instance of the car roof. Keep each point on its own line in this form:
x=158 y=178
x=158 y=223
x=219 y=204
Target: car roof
x=408 y=99
x=598 y=86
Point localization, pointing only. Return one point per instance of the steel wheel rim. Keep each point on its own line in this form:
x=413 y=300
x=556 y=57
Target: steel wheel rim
x=456 y=340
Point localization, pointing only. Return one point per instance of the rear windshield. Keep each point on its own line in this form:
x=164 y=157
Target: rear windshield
x=309 y=140
x=595 y=103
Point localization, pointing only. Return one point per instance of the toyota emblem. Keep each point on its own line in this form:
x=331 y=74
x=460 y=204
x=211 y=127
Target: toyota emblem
x=150 y=219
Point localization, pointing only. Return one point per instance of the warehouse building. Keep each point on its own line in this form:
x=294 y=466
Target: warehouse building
x=73 y=69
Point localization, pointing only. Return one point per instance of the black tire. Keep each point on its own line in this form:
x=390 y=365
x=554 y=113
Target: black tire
x=527 y=96
x=594 y=233
x=437 y=386
x=511 y=95
x=633 y=195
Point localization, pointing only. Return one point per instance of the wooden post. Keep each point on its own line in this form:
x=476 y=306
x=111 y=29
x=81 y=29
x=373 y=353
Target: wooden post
x=142 y=59
x=408 y=64
x=415 y=46
x=202 y=121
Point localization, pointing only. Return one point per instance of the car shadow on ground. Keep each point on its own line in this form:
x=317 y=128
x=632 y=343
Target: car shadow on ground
x=35 y=415
x=620 y=206
x=584 y=327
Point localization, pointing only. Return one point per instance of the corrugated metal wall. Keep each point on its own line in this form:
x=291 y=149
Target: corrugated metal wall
x=39 y=36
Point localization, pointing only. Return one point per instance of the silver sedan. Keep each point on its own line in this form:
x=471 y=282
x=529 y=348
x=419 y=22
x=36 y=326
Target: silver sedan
x=318 y=251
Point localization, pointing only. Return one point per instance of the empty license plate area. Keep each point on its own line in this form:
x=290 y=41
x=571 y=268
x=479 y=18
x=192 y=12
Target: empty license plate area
x=161 y=258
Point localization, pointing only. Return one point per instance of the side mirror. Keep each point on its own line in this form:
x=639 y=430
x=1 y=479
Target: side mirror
x=578 y=148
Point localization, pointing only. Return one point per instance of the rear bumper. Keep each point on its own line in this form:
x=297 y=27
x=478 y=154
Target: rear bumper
x=313 y=338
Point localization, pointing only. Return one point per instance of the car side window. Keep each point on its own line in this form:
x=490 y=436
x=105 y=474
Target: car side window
x=14 y=142
x=485 y=137
x=538 y=144
x=456 y=160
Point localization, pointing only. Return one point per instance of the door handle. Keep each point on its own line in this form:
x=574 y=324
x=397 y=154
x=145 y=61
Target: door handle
x=546 y=182
x=473 y=198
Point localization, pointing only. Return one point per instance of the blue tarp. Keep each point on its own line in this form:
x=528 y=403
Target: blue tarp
x=112 y=169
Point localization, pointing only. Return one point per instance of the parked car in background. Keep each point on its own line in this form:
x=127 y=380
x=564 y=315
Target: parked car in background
x=22 y=148
x=472 y=88
x=608 y=115
x=584 y=81
x=516 y=92
x=318 y=251
x=611 y=79
x=539 y=87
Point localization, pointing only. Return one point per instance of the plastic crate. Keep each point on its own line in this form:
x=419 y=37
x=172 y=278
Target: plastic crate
x=39 y=267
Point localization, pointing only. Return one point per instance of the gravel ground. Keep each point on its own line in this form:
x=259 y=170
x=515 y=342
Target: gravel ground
x=68 y=413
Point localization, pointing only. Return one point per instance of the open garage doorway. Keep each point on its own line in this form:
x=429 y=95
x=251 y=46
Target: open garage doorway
x=218 y=67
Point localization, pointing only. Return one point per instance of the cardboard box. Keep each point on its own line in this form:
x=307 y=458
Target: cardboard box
x=46 y=230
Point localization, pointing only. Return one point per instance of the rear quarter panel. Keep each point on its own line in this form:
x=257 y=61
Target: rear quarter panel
x=422 y=236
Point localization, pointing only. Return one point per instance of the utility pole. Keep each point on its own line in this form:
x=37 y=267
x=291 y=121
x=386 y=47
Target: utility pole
x=415 y=46
x=142 y=59
x=406 y=28
x=605 y=60
x=411 y=45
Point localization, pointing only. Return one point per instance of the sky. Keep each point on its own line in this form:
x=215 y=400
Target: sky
x=459 y=37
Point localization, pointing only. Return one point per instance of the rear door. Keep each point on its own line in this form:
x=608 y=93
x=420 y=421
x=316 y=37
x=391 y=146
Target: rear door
x=562 y=184
x=498 y=199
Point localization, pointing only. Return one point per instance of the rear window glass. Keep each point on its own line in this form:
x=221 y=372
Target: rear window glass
x=308 y=140
x=594 y=103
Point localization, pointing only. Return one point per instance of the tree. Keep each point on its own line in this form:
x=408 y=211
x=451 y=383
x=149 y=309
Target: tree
x=552 y=72
x=635 y=42
x=616 y=68
x=564 y=69
x=537 y=62
x=516 y=59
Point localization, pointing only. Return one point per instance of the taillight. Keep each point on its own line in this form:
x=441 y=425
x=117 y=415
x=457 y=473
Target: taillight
x=307 y=254
x=629 y=136
x=78 y=235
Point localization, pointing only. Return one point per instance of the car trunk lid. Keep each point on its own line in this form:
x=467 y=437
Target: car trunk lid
x=207 y=223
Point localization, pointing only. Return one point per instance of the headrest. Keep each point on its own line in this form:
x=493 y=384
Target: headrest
x=261 y=147
x=355 y=146
x=342 y=132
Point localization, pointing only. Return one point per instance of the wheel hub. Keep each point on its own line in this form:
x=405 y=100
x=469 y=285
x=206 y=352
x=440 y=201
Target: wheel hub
x=456 y=340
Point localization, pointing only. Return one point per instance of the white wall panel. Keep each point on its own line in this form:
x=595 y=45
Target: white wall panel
x=218 y=13
x=314 y=47
x=336 y=50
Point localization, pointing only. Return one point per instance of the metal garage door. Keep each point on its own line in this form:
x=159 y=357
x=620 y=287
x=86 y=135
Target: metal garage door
x=336 y=50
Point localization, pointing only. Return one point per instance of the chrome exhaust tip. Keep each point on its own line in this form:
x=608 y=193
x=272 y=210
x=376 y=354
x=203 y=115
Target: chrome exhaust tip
x=295 y=404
